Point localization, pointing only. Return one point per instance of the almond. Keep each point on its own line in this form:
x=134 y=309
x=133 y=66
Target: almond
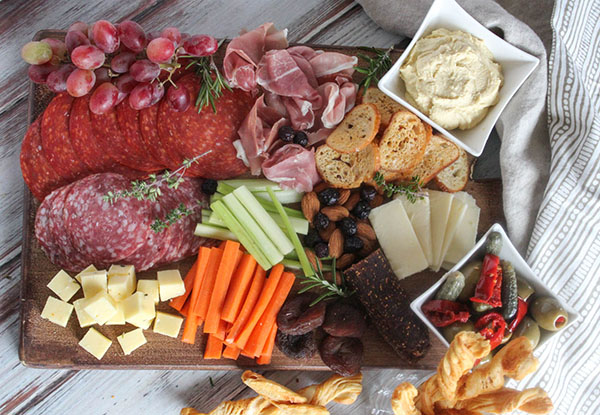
x=344 y=196
x=310 y=205
x=329 y=277
x=352 y=201
x=335 y=213
x=377 y=201
x=368 y=246
x=344 y=261
x=366 y=231
x=312 y=258
x=320 y=187
x=325 y=234
x=336 y=244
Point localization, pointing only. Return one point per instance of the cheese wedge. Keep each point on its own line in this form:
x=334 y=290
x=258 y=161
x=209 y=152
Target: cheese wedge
x=440 y=202
x=398 y=239
x=457 y=211
x=419 y=214
x=466 y=232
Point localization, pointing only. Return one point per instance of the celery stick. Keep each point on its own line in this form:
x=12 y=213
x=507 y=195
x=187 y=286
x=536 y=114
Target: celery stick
x=239 y=231
x=253 y=229
x=216 y=220
x=206 y=212
x=299 y=225
x=284 y=196
x=215 y=197
x=208 y=231
x=224 y=188
x=254 y=185
x=270 y=207
x=291 y=255
x=263 y=218
x=305 y=263
x=291 y=263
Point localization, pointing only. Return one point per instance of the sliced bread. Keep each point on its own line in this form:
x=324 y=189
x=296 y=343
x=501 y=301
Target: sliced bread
x=403 y=143
x=356 y=131
x=346 y=171
x=386 y=106
x=439 y=154
x=454 y=178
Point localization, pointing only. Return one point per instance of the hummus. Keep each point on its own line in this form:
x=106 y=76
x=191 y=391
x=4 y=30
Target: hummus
x=451 y=77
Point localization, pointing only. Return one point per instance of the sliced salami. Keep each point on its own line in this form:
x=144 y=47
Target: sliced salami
x=149 y=130
x=56 y=141
x=153 y=248
x=174 y=234
x=38 y=174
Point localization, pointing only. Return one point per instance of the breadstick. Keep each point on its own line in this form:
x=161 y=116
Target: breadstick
x=403 y=400
x=337 y=388
x=505 y=400
x=271 y=390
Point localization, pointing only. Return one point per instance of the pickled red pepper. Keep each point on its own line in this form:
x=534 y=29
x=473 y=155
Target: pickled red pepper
x=492 y=327
x=489 y=286
x=442 y=313
x=521 y=312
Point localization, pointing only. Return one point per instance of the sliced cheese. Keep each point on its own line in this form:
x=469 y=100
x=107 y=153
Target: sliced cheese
x=94 y=282
x=95 y=343
x=149 y=287
x=90 y=268
x=63 y=285
x=466 y=232
x=131 y=340
x=121 y=281
x=170 y=284
x=57 y=311
x=85 y=320
x=457 y=211
x=398 y=239
x=167 y=324
x=440 y=202
x=419 y=214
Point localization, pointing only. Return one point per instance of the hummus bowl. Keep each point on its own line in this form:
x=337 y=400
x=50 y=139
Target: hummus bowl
x=516 y=67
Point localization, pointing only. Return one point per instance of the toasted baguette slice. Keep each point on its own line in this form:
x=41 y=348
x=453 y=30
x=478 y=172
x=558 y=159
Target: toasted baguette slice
x=454 y=178
x=356 y=131
x=346 y=171
x=403 y=143
x=385 y=105
x=439 y=154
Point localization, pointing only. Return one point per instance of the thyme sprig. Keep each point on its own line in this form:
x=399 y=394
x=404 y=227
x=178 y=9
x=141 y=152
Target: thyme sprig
x=171 y=217
x=376 y=66
x=412 y=190
x=318 y=280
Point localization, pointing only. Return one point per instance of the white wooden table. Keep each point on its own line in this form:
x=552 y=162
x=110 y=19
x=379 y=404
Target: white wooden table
x=33 y=391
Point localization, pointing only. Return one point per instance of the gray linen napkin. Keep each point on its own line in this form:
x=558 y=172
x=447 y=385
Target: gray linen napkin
x=525 y=151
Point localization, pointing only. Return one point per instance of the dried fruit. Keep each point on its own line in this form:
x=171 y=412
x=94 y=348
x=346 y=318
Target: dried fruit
x=310 y=205
x=361 y=210
x=321 y=250
x=365 y=231
x=312 y=238
x=345 y=261
x=343 y=355
x=352 y=201
x=344 y=196
x=368 y=193
x=296 y=317
x=296 y=347
x=335 y=213
x=325 y=234
x=344 y=320
x=329 y=197
x=321 y=222
x=336 y=244
x=348 y=226
x=352 y=244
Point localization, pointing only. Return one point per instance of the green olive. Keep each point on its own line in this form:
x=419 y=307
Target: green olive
x=493 y=244
x=548 y=313
x=524 y=290
x=472 y=272
x=449 y=332
x=528 y=328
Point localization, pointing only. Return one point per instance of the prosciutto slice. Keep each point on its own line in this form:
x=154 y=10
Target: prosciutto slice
x=292 y=166
x=329 y=63
x=340 y=100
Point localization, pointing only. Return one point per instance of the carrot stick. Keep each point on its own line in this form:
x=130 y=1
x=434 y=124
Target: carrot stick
x=185 y=311
x=231 y=352
x=267 y=352
x=191 y=323
x=245 y=353
x=226 y=268
x=200 y=307
x=189 y=329
x=213 y=348
x=240 y=284
x=222 y=330
x=260 y=334
x=258 y=281
x=261 y=305
x=238 y=258
x=178 y=302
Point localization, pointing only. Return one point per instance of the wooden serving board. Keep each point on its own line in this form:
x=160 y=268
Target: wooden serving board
x=46 y=345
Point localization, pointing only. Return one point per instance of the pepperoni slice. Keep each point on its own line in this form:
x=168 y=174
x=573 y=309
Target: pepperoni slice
x=149 y=131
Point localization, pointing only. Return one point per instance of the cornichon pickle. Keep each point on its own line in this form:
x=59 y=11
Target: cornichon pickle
x=548 y=313
x=524 y=290
x=452 y=287
x=481 y=307
x=528 y=328
x=471 y=272
x=449 y=332
x=493 y=244
x=509 y=294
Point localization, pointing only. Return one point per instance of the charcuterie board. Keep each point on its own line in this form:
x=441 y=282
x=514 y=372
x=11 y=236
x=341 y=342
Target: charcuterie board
x=45 y=345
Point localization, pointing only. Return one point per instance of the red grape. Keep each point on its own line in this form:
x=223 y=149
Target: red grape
x=121 y=97
x=152 y=35
x=59 y=49
x=36 y=53
x=105 y=36
x=173 y=34
x=144 y=71
x=160 y=50
x=75 y=38
x=87 y=57
x=104 y=98
x=132 y=35
x=80 y=82
x=39 y=73
x=121 y=62
x=125 y=83
x=57 y=80
x=80 y=26
x=201 y=45
x=178 y=98
x=141 y=96
x=102 y=75
x=158 y=91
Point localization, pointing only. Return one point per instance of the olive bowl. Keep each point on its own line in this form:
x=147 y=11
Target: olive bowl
x=509 y=253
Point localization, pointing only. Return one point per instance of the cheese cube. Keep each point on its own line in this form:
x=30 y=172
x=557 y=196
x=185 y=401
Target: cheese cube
x=90 y=268
x=118 y=318
x=63 y=285
x=95 y=343
x=167 y=324
x=149 y=287
x=170 y=284
x=138 y=309
x=94 y=282
x=85 y=320
x=100 y=307
x=57 y=311
x=121 y=281
x=131 y=340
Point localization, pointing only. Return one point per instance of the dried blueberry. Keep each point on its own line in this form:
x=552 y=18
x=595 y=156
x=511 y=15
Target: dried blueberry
x=312 y=238
x=362 y=210
x=348 y=226
x=353 y=244
x=321 y=250
x=329 y=197
x=367 y=193
x=320 y=221
x=286 y=133
x=209 y=187
x=301 y=138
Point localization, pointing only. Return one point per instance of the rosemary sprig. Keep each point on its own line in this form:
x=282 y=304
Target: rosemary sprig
x=412 y=190
x=171 y=217
x=318 y=280
x=377 y=66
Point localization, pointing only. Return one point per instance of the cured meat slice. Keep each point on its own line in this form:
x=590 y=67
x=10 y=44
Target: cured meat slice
x=172 y=237
x=191 y=196
x=103 y=231
x=56 y=141
x=149 y=131
x=38 y=174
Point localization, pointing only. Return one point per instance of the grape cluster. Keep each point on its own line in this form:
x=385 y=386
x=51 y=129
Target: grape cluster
x=114 y=62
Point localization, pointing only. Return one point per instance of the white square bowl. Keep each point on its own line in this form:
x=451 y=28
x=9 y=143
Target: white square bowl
x=516 y=67
x=510 y=253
